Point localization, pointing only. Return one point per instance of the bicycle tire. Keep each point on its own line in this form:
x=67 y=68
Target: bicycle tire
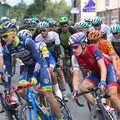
x=64 y=109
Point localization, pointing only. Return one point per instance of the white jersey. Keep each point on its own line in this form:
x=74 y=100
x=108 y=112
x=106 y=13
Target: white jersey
x=113 y=39
x=51 y=37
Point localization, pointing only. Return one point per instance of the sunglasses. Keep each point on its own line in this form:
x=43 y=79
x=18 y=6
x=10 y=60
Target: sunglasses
x=4 y=36
x=115 y=33
x=42 y=30
x=74 y=47
x=65 y=26
x=32 y=29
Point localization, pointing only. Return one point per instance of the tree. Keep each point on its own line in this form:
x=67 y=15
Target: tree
x=18 y=11
x=35 y=8
x=48 y=9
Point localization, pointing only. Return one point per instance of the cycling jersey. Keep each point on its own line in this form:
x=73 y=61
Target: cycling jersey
x=106 y=47
x=90 y=58
x=116 y=44
x=46 y=54
x=89 y=61
x=53 y=42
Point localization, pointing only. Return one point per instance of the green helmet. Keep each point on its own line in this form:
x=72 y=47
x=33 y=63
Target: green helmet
x=42 y=25
x=63 y=20
x=84 y=25
x=115 y=28
x=96 y=21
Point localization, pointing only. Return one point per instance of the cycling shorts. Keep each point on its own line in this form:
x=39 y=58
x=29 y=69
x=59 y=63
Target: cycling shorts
x=111 y=80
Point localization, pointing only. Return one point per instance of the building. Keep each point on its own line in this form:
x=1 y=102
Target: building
x=84 y=9
x=88 y=9
x=110 y=10
x=4 y=9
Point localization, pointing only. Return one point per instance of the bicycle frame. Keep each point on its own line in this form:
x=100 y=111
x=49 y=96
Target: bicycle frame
x=35 y=105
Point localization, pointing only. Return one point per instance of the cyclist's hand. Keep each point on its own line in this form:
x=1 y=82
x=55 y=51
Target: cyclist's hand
x=102 y=86
x=33 y=81
x=51 y=68
x=75 y=94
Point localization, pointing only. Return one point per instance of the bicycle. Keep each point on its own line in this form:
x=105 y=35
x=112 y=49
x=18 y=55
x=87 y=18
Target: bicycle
x=98 y=111
x=11 y=109
x=33 y=110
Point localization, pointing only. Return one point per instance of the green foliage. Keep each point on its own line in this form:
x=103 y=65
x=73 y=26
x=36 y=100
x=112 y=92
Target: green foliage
x=56 y=10
x=41 y=8
x=18 y=11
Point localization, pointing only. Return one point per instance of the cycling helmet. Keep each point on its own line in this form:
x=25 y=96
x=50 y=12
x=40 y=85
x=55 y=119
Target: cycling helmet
x=63 y=20
x=9 y=24
x=35 y=19
x=77 y=38
x=24 y=33
x=87 y=20
x=42 y=25
x=84 y=25
x=76 y=26
x=96 y=21
x=7 y=28
x=95 y=35
x=3 y=19
x=115 y=28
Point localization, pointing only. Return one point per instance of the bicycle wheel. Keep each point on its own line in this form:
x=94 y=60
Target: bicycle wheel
x=64 y=109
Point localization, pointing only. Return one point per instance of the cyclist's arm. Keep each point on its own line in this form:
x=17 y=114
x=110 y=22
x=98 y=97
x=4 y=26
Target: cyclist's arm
x=112 y=54
x=76 y=73
x=57 y=44
x=30 y=45
x=51 y=60
x=101 y=64
x=1 y=59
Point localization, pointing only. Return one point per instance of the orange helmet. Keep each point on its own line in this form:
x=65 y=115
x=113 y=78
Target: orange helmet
x=95 y=35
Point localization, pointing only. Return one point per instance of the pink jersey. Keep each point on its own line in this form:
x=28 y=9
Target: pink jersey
x=91 y=56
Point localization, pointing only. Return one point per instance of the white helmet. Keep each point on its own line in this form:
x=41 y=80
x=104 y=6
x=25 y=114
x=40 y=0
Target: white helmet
x=25 y=33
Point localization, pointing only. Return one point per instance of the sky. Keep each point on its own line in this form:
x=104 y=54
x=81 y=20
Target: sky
x=14 y=2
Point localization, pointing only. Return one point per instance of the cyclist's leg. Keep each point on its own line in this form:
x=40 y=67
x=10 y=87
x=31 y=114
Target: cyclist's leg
x=113 y=86
x=89 y=82
x=56 y=88
x=46 y=84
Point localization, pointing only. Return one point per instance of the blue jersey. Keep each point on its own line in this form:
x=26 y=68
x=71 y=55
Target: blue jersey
x=26 y=51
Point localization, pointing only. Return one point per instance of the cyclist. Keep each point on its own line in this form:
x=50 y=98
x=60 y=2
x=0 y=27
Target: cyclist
x=99 y=25
x=102 y=70
x=115 y=38
x=52 y=41
x=95 y=37
x=1 y=60
x=84 y=27
x=51 y=63
x=35 y=65
x=65 y=32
